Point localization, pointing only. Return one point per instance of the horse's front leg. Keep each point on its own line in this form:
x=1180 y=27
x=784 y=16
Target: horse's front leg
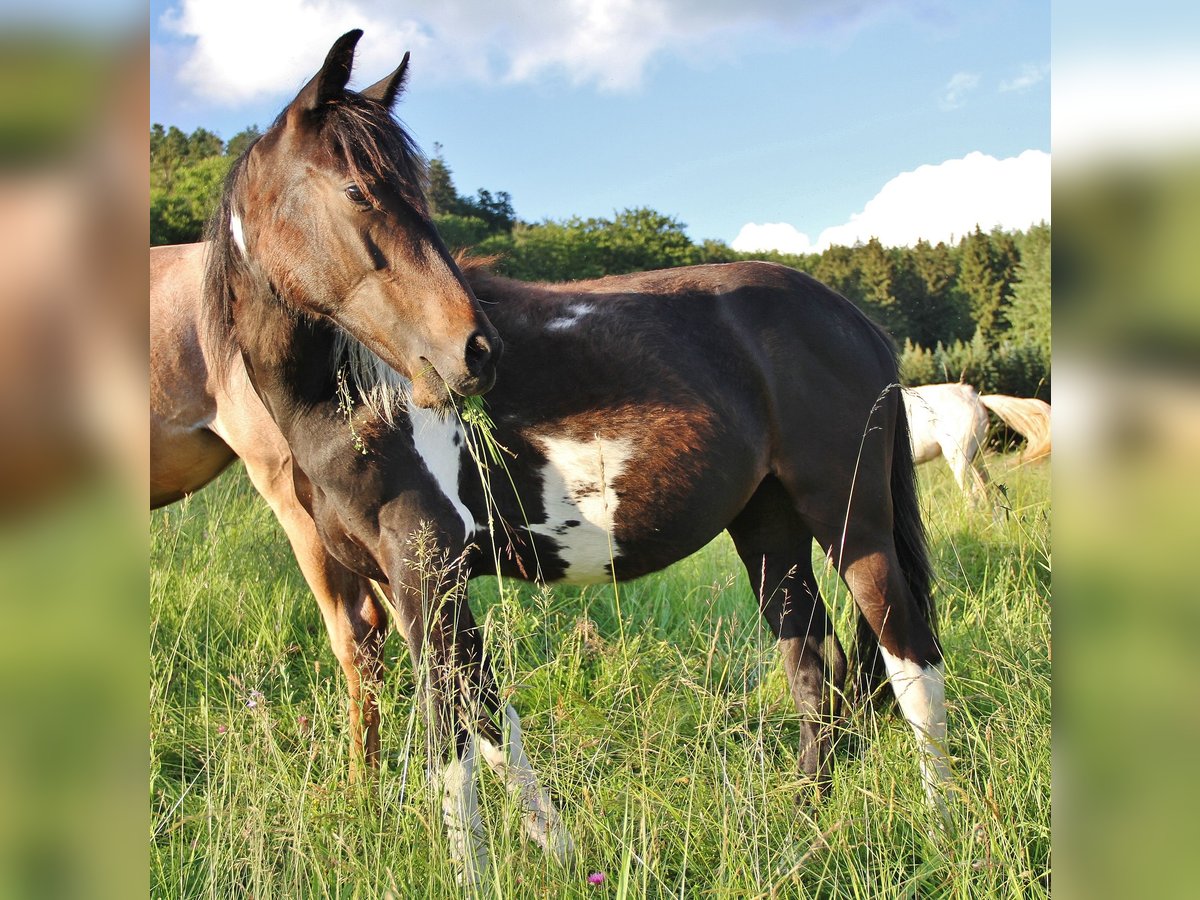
x=429 y=593
x=540 y=818
x=467 y=719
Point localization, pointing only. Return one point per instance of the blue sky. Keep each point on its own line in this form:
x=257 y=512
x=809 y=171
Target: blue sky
x=809 y=120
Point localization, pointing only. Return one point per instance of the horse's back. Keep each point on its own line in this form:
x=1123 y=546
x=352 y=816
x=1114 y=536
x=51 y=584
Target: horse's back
x=945 y=418
x=690 y=386
x=184 y=454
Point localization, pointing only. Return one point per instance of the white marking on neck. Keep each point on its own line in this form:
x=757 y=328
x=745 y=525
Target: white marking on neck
x=434 y=439
x=921 y=693
x=581 y=504
x=541 y=821
x=460 y=812
x=575 y=313
x=235 y=229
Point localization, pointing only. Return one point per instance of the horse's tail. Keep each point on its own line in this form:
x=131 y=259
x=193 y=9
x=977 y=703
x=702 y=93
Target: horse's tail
x=908 y=535
x=1028 y=416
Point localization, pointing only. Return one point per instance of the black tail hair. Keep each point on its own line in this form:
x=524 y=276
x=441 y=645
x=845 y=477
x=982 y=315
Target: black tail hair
x=908 y=534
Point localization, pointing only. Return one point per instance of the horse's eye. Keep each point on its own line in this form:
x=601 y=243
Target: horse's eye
x=354 y=192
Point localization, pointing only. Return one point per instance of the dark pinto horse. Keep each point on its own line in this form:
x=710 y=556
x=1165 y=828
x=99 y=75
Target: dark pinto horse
x=641 y=415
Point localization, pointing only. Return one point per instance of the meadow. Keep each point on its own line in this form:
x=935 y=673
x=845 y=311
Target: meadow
x=656 y=712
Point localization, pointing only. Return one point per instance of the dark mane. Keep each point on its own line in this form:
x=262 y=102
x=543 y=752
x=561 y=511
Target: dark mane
x=220 y=261
x=374 y=147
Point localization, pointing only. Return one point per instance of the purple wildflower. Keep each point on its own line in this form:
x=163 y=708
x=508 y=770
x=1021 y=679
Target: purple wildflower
x=255 y=696
x=596 y=878
x=221 y=729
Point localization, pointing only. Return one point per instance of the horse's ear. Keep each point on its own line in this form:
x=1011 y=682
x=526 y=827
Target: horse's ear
x=330 y=83
x=386 y=90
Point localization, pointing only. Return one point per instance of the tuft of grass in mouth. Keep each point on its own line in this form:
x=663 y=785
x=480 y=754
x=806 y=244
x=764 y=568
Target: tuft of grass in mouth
x=474 y=415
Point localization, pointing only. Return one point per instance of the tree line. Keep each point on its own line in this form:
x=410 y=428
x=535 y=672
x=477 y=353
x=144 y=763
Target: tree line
x=976 y=310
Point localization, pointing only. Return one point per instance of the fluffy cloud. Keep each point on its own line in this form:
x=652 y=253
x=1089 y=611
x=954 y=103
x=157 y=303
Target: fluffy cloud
x=937 y=203
x=231 y=62
x=245 y=50
x=772 y=236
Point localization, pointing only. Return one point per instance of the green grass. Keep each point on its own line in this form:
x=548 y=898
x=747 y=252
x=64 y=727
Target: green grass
x=667 y=736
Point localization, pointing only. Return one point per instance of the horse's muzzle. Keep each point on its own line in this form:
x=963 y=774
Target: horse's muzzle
x=480 y=357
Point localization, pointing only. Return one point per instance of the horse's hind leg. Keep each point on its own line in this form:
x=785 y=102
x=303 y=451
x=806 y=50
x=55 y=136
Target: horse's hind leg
x=868 y=562
x=776 y=549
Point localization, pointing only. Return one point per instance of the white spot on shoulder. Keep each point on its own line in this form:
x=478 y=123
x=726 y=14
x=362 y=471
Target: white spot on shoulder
x=434 y=439
x=581 y=503
x=575 y=313
x=235 y=229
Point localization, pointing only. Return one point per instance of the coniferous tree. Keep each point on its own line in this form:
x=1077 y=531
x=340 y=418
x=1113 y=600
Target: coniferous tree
x=1028 y=314
x=935 y=309
x=837 y=269
x=877 y=287
x=979 y=281
x=442 y=195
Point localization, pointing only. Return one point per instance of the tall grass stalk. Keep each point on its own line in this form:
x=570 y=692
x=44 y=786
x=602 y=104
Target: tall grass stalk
x=665 y=730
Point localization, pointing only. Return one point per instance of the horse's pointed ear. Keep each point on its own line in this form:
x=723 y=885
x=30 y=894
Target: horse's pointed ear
x=386 y=90
x=330 y=83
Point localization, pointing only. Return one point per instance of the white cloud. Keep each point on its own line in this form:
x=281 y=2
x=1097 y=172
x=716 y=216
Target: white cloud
x=1030 y=74
x=937 y=203
x=771 y=236
x=954 y=94
x=230 y=62
x=247 y=49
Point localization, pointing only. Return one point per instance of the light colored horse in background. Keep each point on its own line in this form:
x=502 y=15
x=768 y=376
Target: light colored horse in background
x=951 y=421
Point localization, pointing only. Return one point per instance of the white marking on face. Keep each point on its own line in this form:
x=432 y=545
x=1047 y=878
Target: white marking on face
x=541 y=821
x=921 y=693
x=235 y=229
x=434 y=439
x=460 y=812
x=581 y=504
x=575 y=313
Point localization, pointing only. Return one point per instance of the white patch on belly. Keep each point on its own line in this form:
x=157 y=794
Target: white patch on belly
x=434 y=438
x=575 y=313
x=921 y=693
x=541 y=820
x=235 y=229
x=581 y=504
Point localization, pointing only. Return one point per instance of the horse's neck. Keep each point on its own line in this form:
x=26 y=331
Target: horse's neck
x=289 y=358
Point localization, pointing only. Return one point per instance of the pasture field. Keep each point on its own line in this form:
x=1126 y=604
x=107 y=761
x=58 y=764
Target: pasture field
x=657 y=714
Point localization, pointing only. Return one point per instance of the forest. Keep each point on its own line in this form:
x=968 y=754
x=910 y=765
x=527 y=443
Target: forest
x=977 y=310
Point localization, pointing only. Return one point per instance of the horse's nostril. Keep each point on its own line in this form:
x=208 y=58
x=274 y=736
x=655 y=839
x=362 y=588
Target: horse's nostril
x=480 y=351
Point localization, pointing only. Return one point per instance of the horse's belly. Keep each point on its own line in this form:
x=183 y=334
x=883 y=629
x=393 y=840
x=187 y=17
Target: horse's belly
x=603 y=519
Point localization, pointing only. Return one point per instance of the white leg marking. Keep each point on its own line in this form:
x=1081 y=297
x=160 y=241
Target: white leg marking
x=921 y=693
x=434 y=437
x=541 y=821
x=460 y=812
x=235 y=229
x=581 y=504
